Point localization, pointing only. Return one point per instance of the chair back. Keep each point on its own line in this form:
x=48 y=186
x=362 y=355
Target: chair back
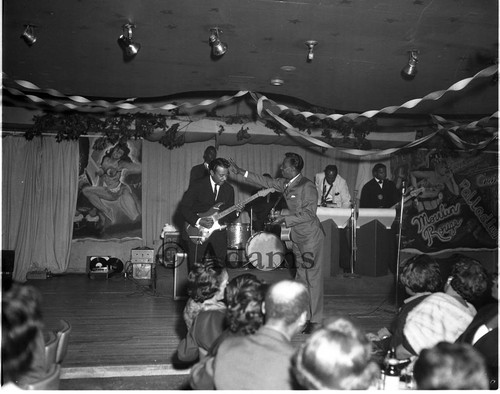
x=51 y=350
x=49 y=381
x=63 y=335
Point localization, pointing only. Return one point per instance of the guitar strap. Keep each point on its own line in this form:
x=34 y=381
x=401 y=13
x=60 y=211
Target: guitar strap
x=280 y=197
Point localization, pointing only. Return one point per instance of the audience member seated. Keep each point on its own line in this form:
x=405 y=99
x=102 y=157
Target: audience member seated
x=482 y=333
x=244 y=297
x=420 y=276
x=262 y=361
x=336 y=357
x=206 y=284
x=444 y=316
x=208 y=316
x=23 y=345
x=450 y=366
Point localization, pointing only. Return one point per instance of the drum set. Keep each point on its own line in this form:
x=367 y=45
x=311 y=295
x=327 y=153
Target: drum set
x=264 y=250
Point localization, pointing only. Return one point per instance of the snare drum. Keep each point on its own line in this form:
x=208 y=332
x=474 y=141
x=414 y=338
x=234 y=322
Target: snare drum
x=238 y=235
x=265 y=251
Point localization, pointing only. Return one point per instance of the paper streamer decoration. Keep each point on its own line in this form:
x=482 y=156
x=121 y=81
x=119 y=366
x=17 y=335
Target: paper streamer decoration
x=487 y=72
x=85 y=105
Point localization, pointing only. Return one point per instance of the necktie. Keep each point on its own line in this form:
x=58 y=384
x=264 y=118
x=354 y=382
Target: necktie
x=216 y=189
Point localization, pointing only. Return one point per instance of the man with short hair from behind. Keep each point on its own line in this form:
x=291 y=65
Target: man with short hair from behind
x=262 y=361
x=450 y=366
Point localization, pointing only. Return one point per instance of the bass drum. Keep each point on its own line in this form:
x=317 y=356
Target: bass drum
x=238 y=235
x=265 y=251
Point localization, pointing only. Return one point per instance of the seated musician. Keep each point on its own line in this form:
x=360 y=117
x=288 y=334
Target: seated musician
x=203 y=234
x=332 y=188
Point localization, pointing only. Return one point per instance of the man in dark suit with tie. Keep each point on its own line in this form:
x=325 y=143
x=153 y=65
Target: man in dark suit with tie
x=200 y=171
x=380 y=192
x=200 y=197
x=306 y=232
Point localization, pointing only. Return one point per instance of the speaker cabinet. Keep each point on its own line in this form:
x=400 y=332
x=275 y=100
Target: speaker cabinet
x=181 y=276
x=376 y=249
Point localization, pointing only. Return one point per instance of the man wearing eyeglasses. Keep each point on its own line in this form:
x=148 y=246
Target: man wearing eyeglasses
x=304 y=226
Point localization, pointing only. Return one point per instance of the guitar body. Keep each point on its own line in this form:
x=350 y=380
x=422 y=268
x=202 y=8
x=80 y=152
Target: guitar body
x=285 y=236
x=200 y=235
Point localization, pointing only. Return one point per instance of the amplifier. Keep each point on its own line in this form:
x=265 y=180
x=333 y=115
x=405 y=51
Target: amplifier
x=142 y=256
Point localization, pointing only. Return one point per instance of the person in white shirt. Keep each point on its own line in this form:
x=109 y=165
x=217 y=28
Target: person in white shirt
x=332 y=188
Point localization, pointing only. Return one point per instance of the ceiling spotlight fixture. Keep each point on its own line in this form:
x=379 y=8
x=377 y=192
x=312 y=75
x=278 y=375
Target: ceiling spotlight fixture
x=311 y=44
x=277 y=81
x=410 y=70
x=130 y=48
x=219 y=48
x=29 y=35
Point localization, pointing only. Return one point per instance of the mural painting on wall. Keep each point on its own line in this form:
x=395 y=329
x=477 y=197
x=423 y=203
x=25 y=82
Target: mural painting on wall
x=109 y=190
x=453 y=203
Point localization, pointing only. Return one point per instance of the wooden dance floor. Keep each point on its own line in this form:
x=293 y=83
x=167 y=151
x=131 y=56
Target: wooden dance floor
x=124 y=334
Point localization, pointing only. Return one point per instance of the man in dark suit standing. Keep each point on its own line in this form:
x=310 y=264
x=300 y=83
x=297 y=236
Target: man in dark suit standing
x=200 y=171
x=380 y=192
x=200 y=197
x=306 y=233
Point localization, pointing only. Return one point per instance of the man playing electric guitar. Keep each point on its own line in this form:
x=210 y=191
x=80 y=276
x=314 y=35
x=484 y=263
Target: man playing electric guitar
x=201 y=196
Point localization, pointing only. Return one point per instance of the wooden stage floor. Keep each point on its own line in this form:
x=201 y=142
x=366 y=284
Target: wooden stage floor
x=124 y=329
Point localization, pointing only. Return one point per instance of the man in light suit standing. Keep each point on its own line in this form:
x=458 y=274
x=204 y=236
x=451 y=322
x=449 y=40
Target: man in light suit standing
x=300 y=218
x=332 y=188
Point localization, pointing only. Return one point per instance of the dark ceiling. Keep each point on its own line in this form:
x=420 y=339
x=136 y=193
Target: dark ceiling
x=363 y=45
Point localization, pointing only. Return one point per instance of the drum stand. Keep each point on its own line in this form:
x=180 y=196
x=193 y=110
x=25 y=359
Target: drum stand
x=354 y=247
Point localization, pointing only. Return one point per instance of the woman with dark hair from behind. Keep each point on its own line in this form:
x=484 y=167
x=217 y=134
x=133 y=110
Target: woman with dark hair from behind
x=23 y=345
x=206 y=284
x=336 y=357
x=450 y=366
x=244 y=297
x=420 y=276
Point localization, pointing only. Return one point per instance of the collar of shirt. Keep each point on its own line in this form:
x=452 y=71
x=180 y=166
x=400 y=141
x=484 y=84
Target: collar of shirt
x=213 y=184
x=287 y=185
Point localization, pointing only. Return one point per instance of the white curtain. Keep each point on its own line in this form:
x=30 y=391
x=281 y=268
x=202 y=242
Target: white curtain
x=39 y=191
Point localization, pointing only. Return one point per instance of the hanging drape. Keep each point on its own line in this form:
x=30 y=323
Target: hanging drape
x=39 y=191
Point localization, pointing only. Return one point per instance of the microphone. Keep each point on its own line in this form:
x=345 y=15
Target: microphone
x=403 y=187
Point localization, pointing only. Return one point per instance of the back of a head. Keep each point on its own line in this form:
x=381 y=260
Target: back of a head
x=244 y=296
x=204 y=281
x=336 y=357
x=421 y=273
x=286 y=301
x=21 y=322
x=450 y=366
x=469 y=278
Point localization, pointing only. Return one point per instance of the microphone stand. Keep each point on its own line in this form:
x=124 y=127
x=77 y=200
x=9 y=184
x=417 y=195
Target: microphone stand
x=398 y=258
x=354 y=246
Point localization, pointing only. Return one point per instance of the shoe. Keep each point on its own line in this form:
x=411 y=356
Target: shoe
x=310 y=327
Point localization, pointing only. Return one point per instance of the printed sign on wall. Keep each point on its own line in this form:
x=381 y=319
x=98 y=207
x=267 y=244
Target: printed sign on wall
x=455 y=203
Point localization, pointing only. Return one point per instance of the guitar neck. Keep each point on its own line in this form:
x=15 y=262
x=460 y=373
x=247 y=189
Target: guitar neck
x=230 y=210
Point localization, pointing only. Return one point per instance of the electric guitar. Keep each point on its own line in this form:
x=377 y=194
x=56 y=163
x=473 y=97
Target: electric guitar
x=284 y=230
x=410 y=195
x=200 y=234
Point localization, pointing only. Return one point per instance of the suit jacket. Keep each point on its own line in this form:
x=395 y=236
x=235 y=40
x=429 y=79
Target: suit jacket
x=302 y=201
x=260 y=361
x=339 y=193
x=372 y=196
x=199 y=198
x=199 y=171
